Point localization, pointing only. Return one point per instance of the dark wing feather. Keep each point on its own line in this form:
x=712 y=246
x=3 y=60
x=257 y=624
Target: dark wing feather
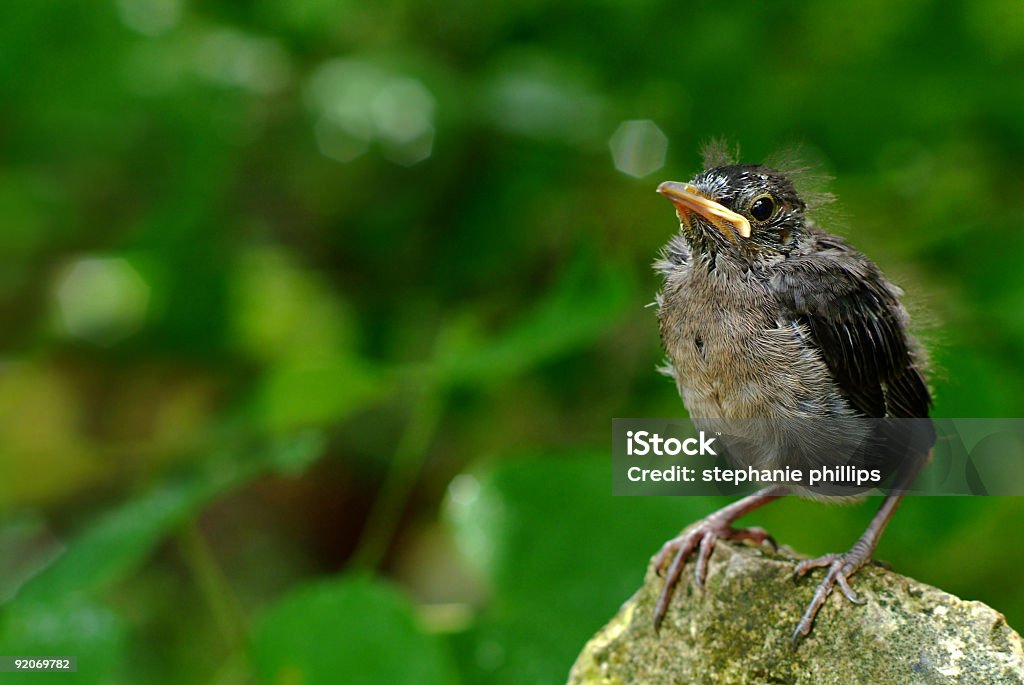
x=858 y=324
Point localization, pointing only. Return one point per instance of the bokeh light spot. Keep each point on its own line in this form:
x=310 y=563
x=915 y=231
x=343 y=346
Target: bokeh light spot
x=338 y=143
x=412 y=151
x=542 y=99
x=101 y=299
x=463 y=490
x=638 y=147
x=359 y=103
x=254 y=63
x=150 y=17
x=402 y=110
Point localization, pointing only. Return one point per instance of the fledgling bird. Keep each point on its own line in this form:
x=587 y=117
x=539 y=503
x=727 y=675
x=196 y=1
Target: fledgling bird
x=764 y=315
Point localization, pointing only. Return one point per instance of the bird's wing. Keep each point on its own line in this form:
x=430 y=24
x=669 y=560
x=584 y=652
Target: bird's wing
x=858 y=325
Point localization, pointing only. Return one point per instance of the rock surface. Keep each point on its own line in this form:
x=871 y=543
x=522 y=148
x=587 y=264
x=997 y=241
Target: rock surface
x=737 y=630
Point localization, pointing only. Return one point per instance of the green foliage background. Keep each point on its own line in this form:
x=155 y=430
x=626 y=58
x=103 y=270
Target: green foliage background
x=316 y=312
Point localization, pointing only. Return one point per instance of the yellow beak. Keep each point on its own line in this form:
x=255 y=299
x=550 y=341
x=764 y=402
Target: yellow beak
x=688 y=199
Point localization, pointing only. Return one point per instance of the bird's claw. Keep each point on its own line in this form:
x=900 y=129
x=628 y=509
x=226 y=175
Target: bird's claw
x=672 y=557
x=840 y=568
x=805 y=565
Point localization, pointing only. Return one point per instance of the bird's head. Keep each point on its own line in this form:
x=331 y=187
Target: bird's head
x=746 y=211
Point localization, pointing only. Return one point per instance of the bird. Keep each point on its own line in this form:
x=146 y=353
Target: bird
x=763 y=314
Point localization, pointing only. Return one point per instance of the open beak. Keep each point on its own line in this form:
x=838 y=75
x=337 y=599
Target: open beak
x=688 y=199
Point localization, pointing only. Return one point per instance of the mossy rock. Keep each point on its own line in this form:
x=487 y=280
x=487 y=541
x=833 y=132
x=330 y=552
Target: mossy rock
x=736 y=630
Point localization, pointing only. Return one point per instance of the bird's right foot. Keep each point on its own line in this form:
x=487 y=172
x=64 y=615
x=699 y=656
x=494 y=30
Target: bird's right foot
x=701 y=537
x=840 y=568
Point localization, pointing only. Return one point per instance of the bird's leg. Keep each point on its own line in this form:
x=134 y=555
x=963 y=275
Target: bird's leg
x=702 y=536
x=842 y=566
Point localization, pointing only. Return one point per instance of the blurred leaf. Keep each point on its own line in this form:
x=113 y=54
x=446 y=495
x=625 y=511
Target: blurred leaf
x=314 y=393
x=583 y=304
x=69 y=627
x=350 y=630
x=26 y=547
x=118 y=542
x=290 y=318
x=284 y=311
x=43 y=453
x=561 y=555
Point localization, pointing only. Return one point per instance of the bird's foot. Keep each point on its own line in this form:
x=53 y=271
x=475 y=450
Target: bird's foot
x=840 y=568
x=701 y=537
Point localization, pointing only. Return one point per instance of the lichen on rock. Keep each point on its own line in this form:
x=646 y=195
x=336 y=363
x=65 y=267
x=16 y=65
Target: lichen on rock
x=736 y=630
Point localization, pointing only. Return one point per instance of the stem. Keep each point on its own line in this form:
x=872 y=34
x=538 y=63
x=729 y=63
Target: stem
x=405 y=468
x=212 y=584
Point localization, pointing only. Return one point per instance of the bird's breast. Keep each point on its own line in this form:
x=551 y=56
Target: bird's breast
x=736 y=355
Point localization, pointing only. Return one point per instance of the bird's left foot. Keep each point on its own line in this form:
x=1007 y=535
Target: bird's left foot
x=840 y=568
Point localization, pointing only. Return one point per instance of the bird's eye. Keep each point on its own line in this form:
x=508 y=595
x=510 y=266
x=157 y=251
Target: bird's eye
x=762 y=208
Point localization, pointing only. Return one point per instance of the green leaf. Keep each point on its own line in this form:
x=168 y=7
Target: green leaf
x=561 y=555
x=347 y=630
x=119 y=541
x=69 y=627
x=586 y=302
x=314 y=393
